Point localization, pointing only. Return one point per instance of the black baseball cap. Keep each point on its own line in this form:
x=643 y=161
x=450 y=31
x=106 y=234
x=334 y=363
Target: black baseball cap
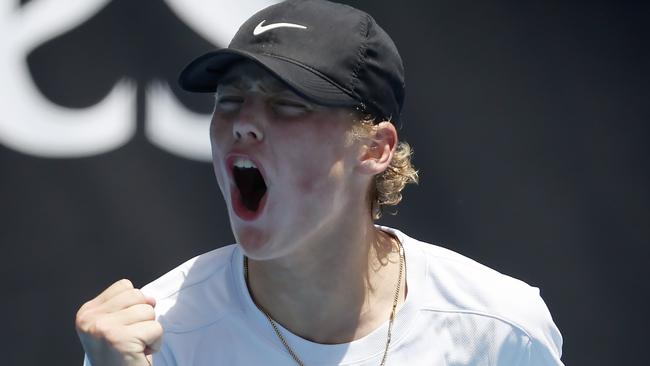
x=329 y=53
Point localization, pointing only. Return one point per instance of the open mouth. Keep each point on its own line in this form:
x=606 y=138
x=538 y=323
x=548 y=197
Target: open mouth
x=251 y=188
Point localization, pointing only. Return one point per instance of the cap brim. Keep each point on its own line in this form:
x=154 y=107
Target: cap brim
x=203 y=74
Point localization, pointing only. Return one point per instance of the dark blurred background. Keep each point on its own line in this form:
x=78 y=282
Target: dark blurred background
x=529 y=121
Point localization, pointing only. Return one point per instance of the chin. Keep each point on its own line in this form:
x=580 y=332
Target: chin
x=253 y=240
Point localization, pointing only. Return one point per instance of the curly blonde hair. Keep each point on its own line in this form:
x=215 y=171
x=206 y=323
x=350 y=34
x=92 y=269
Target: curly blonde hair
x=388 y=185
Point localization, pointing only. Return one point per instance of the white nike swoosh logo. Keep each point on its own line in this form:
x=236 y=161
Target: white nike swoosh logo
x=261 y=28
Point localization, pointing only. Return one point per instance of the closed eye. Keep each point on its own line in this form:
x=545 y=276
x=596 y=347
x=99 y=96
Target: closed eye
x=287 y=107
x=228 y=103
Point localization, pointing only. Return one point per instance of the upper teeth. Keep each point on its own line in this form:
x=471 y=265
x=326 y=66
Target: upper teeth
x=244 y=163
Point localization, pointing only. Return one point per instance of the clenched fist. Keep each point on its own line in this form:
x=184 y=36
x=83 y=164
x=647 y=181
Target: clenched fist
x=118 y=327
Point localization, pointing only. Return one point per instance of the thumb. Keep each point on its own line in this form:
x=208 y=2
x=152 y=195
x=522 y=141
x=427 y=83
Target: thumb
x=150 y=300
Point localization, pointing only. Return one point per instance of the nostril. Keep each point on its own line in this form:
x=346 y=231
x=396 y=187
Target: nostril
x=247 y=132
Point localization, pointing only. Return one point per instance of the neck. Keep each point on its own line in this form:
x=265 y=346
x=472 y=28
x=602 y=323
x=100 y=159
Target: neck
x=337 y=289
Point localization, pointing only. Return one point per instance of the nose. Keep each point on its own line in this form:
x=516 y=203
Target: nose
x=247 y=132
x=246 y=129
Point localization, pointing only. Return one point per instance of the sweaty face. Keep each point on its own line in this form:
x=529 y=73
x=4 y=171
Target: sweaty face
x=285 y=165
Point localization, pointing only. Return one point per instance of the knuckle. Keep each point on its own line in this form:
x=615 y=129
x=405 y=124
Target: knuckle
x=86 y=307
x=83 y=308
x=126 y=283
x=83 y=321
x=137 y=294
x=84 y=318
x=145 y=312
x=149 y=313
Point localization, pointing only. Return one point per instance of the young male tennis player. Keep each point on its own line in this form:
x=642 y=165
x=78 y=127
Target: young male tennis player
x=306 y=153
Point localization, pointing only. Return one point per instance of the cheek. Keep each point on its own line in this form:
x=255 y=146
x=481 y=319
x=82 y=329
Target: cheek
x=320 y=180
x=316 y=159
x=220 y=139
x=220 y=132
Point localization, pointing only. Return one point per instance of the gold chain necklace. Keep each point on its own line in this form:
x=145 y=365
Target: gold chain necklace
x=390 y=323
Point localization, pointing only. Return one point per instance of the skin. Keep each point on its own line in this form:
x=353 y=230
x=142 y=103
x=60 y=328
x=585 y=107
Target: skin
x=315 y=236
x=118 y=327
x=317 y=264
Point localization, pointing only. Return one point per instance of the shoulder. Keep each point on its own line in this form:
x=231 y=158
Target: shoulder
x=455 y=283
x=187 y=296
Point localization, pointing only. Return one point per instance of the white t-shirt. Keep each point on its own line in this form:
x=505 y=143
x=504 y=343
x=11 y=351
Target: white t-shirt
x=457 y=312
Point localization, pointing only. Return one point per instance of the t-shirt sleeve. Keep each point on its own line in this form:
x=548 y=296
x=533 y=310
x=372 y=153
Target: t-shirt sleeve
x=545 y=347
x=541 y=355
